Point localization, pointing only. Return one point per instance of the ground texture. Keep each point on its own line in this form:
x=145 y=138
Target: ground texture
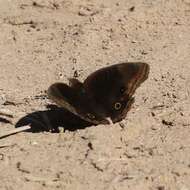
x=45 y=41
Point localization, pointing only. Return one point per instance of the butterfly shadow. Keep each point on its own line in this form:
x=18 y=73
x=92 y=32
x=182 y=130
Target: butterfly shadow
x=52 y=120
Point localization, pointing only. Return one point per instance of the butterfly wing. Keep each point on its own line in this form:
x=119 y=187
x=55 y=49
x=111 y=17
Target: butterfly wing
x=107 y=92
x=74 y=99
x=63 y=95
x=113 y=87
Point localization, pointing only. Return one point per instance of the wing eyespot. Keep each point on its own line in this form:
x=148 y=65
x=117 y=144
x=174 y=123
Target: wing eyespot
x=117 y=106
x=90 y=116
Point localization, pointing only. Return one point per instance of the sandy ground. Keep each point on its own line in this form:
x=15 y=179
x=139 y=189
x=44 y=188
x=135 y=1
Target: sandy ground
x=45 y=41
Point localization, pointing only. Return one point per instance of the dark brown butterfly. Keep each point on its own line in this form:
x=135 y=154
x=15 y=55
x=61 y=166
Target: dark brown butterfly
x=106 y=93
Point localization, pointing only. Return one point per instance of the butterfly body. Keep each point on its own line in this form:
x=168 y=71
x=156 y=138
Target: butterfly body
x=107 y=92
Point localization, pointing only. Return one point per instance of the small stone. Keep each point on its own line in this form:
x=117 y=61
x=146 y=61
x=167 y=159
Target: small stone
x=168 y=123
x=34 y=143
x=132 y=8
x=153 y=128
x=86 y=11
x=161 y=188
x=143 y=52
x=134 y=41
x=2 y=99
x=76 y=74
x=1 y=156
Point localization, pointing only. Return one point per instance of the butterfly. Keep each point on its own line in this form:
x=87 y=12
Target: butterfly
x=107 y=93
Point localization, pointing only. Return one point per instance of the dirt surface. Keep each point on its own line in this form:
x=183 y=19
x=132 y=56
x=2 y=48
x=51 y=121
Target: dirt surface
x=42 y=42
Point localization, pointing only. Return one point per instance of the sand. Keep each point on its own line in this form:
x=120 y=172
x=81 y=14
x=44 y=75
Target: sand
x=45 y=41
